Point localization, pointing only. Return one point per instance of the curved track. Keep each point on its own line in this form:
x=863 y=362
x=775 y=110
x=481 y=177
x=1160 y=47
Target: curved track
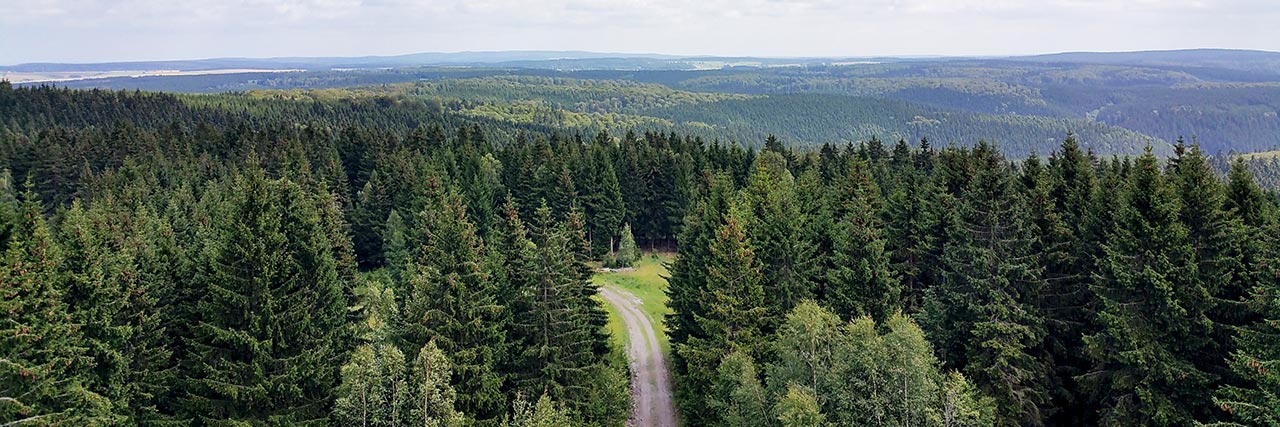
x=650 y=383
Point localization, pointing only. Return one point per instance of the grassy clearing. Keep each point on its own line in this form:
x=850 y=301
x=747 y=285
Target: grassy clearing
x=646 y=282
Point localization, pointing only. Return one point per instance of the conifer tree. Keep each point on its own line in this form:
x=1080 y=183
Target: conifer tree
x=628 y=253
x=859 y=281
x=775 y=227
x=451 y=299
x=556 y=335
x=44 y=362
x=909 y=237
x=983 y=316
x=688 y=271
x=1153 y=318
x=602 y=203
x=264 y=350
x=1257 y=401
x=1069 y=232
x=109 y=295
x=1214 y=236
x=734 y=316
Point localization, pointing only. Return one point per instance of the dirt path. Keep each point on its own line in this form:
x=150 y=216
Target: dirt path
x=651 y=386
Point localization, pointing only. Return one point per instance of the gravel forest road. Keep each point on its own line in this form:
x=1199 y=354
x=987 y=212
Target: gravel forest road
x=650 y=383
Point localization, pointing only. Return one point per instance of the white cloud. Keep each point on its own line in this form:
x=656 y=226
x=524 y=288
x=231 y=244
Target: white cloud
x=96 y=30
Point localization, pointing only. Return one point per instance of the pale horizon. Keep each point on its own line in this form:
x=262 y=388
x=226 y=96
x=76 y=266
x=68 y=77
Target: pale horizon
x=93 y=31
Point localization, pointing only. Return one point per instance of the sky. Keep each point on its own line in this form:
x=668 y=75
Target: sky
x=125 y=30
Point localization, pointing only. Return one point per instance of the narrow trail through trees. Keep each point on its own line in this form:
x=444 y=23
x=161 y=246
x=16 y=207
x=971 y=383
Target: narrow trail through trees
x=650 y=384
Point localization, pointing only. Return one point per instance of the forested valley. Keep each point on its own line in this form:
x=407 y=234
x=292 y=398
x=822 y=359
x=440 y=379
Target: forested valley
x=318 y=259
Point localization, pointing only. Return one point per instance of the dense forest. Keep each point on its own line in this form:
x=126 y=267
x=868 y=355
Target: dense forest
x=1116 y=103
x=236 y=260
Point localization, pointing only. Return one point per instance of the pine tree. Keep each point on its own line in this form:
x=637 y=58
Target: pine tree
x=734 y=316
x=602 y=202
x=1069 y=242
x=775 y=227
x=688 y=272
x=264 y=350
x=108 y=294
x=1214 y=236
x=44 y=362
x=859 y=281
x=628 y=253
x=1153 y=311
x=909 y=237
x=983 y=316
x=449 y=298
x=555 y=333
x=1256 y=400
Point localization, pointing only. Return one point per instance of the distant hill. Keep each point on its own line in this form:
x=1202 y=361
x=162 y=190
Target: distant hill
x=323 y=63
x=1228 y=100
x=1232 y=59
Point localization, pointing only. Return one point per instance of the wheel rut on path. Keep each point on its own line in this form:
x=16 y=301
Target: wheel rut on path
x=652 y=405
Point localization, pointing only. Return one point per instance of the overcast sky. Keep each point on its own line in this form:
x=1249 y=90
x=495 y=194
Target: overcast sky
x=116 y=30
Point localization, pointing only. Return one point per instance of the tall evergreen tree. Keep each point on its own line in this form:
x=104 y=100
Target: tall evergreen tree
x=734 y=319
x=451 y=299
x=1069 y=233
x=859 y=281
x=108 y=294
x=43 y=372
x=1153 y=316
x=264 y=350
x=983 y=316
x=776 y=228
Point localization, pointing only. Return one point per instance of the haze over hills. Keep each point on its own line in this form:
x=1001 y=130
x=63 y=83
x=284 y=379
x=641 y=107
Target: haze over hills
x=1249 y=60
x=1118 y=102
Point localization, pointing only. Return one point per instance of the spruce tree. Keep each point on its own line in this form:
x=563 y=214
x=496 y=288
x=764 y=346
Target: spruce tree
x=264 y=350
x=1215 y=238
x=776 y=228
x=45 y=362
x=1153 y=319
x=734 y=318
x=451 y=299
x=628 y=253
x=110 y=295
x=983 y=316
x=556 y=335
x=1069 y=233
x=859 y=281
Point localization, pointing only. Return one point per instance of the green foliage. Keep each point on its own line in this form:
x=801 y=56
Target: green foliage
x=737 y=396
x=799 y=408
x=1146 y=368
x=628 y=253
x=431 y=397
x=43 y=370
x=449 y=298
x=374 y=391
x=544 y=413
x=266 y=345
